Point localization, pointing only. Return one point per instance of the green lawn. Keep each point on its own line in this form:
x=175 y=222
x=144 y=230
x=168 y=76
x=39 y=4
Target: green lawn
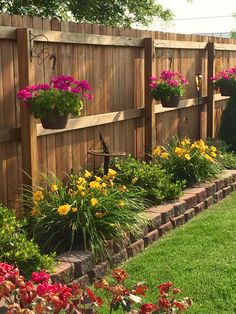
x=199 y=258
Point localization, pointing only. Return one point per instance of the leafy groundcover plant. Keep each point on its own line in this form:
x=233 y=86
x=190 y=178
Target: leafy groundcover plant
x=193 y=161
x=16 y=249
x=86 y=212
x=157 y=182
x=39 y=296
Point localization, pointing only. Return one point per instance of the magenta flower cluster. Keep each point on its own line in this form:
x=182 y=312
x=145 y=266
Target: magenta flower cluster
x=173 y=79
x=228 y=74
x=63 y=82
x=170 y=84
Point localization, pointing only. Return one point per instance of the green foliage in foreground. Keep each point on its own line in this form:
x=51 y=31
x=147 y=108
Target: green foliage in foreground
x=200 y=258
x=157 y=182
x=16 y=249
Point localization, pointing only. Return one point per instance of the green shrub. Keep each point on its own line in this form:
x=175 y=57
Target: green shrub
x=190 y=161
x=16 y=249
x=227 y=130
x=157 y=183
x=85 y=212
x=227 y=159
x=225 y=156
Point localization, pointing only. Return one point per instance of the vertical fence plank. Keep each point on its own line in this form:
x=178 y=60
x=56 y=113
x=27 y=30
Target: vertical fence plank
x=28 y=123
x=210 y=89
x=150 y=125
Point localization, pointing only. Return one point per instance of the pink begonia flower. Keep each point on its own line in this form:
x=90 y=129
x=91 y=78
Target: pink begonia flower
x=39 y=277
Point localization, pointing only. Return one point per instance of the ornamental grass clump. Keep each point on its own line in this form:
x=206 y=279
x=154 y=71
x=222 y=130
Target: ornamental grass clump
x=192 y=161
x=84 y=213
x=157 y=183
x=169 y=84
x=64 y=95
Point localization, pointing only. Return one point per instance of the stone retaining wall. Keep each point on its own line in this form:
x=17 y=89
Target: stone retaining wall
x=80 y=267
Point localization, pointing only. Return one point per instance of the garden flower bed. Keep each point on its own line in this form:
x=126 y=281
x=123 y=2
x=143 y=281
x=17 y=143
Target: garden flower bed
x=80 y=266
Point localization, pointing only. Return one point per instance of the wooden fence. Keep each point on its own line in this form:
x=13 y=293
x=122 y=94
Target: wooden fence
x=118 y=63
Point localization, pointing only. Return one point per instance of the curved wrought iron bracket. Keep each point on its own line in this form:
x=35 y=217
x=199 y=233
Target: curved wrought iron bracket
x=41 y=54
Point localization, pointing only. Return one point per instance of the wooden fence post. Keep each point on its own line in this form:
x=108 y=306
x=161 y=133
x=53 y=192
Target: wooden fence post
x=210 y=90
x=150 y=123
x=28 y=123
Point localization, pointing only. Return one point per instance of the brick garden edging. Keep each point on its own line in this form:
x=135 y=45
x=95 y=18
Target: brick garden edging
x=80 y=266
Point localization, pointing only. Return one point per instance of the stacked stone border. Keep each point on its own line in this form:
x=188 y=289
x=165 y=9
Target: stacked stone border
x=80 y=266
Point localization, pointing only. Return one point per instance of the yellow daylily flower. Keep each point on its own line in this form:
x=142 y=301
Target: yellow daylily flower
x=80 y=180
x=94 y=201
x=94 y=185
x=63 y=209
x=209 y=158
x=121 y=203
x=187 y=157
x=157 y=151
x=54 y=188
x=112 y=173
x=74 y=209
x=98 y=179
x=213 y=154
x=179 y=151
x=38 y=196
x=87 y=174
x=185 y=142
x=134 y=180
x=35 y=212
x=165 y=155
x=80 y=188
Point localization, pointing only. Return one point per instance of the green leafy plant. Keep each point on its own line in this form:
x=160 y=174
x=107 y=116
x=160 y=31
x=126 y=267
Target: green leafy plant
x=169 y=84
x=227 y=159
x=64 y=95
x=86 y=212
x=156 y=181
x=16 y=249
x=188 y=160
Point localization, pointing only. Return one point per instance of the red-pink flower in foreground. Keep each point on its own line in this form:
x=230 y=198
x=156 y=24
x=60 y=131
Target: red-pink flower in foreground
x=39 y=277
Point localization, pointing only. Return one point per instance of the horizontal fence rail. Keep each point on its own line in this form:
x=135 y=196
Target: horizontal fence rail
x=70 y=38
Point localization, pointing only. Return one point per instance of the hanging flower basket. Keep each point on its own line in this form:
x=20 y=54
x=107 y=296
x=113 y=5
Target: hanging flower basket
x=52 y=103
x=225 y=81
x=55 y=120
x=171 y=101
x=168 y=88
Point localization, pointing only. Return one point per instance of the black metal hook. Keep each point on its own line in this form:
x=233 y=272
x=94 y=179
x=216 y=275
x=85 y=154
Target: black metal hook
x=53 y=62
